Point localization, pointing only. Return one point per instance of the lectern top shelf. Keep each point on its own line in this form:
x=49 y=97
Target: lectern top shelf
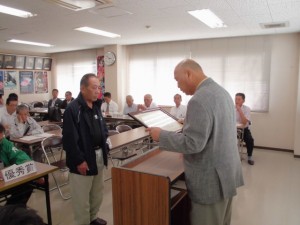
x=158 y=162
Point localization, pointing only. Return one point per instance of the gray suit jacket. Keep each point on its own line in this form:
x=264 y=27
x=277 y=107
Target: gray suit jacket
x=209 y=144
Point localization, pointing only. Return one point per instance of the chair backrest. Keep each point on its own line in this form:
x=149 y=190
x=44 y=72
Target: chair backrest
x=48 y=144
x=38 y=105
x=112 y=132
x=123 y=127
x=50 y=127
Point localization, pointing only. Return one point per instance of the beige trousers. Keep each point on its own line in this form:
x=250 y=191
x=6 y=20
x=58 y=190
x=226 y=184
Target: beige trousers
x=87 y=194
x=211 y=214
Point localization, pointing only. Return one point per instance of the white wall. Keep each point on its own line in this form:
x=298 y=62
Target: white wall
x=297 y=120
x=276 y=128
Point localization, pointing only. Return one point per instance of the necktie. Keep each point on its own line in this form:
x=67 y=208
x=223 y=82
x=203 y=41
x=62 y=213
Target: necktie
x=107 y=108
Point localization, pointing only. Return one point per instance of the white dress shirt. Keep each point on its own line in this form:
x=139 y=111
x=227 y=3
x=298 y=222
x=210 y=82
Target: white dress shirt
x=5 y=117
x=247 y=113
x=152 y=105
x=179 y=112
x=113 y=107
x=129 y=109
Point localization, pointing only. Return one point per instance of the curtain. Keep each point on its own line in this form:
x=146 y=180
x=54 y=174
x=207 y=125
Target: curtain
x=238 y=64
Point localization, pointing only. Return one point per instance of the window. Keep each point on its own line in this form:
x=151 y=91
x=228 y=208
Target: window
x=238 y=64
x=70 y=68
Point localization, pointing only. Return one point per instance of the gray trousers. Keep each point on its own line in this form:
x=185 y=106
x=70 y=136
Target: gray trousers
x=211 y=214
x=87 y=194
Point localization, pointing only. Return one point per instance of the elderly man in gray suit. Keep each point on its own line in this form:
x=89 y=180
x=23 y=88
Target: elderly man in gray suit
x=209 y=146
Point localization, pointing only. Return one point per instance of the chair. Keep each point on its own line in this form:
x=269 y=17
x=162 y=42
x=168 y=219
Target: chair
x=240 y=141
x=122 y=154
x=38 y=105
x=51 y=127
x=123 y=127
x=50 y=146
x=112 y=132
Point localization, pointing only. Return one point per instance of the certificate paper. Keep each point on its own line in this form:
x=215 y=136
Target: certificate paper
x=157 y=118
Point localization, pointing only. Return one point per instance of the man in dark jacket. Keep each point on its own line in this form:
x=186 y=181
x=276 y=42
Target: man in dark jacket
x=84 y=140
x=68 y=99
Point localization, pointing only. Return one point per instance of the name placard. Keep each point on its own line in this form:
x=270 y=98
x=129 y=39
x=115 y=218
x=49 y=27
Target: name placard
x=16 y=171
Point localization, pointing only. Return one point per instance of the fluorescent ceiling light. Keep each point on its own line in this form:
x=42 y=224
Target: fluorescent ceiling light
x=30 y=43
x=208 y=17
x=15 y=12
x=98 y=32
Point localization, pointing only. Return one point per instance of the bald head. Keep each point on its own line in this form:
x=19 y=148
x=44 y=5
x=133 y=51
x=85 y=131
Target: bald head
x=188 y=75
x=189 y=63
x=129 y=100
x=147 y=100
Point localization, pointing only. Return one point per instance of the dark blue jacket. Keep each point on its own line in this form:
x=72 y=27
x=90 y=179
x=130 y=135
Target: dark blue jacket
x=77 y=137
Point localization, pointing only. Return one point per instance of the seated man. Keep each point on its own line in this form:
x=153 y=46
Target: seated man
x=24 y=124
x=16 y=215
x=148 y=103
x=8 y=113
x=68 y=99
x=243 y=117
x=10 y=155
x=54 y=102
x=109 y=106
x=178 y=110
x=130 y=106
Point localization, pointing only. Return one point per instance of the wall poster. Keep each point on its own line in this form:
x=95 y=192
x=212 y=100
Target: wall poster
x=101 y=75
x=26 y=82
x=41 y=82
x=1 y=82
x=10 y=79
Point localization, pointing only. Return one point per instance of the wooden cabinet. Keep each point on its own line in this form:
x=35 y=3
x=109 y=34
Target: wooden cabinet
x=142 y=191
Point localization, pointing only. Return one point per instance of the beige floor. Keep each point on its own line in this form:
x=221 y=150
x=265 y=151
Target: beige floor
x=271 y=195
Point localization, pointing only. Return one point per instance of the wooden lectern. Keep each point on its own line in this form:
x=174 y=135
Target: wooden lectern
x=143 y=191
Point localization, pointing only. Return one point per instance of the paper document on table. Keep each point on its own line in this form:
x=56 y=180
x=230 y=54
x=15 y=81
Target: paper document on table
x=36 y=136
x=29 y=138
x=44 y=135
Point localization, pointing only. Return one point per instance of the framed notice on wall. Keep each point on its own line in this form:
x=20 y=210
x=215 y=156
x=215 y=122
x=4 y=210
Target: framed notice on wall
x=47 y=64
x=157 y=118
x=38 y=64
x=9 y=61
x=20 y=62
x=1 y=61
x=29 y=62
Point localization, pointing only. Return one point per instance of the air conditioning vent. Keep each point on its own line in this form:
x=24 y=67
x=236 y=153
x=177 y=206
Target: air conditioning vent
x=274 y=25
x=77 y=5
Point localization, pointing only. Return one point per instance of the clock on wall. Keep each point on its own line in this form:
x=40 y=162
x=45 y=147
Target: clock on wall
x=109 y=58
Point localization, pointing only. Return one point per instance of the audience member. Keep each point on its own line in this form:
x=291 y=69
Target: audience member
x=23 y=124
x=208 y=142
x=10 y=155
x=178 y=110
x=54 y=101
x=8 y=113
x=13 y=95
x=68 y=99
x=130 y=106
x=109 y=106
x=16 y=215
x=148 y=103
x=84 y=140
x=1 y=101
x=243 y=117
